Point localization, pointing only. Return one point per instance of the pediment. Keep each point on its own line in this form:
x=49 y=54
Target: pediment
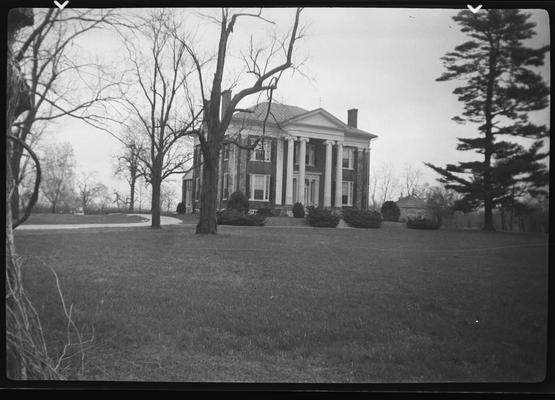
x=320 y=118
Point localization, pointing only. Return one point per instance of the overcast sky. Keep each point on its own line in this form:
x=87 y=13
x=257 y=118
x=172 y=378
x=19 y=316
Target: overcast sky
x=382 y=61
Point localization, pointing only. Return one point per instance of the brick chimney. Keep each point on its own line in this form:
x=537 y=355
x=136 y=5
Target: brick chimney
x=352 y=116
x=226 y=99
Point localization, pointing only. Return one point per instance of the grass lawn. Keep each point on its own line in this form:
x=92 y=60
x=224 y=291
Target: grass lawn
x=46 y=219
x=296 y=305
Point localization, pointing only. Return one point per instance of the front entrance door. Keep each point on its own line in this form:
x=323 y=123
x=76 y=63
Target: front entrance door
x=311 y=189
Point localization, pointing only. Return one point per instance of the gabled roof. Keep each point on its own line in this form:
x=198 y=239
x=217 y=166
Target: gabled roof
x=281 y=114
x=411 y=202
x=278 y=112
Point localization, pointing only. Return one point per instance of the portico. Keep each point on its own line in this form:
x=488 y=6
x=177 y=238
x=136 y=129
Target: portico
x=299 y=183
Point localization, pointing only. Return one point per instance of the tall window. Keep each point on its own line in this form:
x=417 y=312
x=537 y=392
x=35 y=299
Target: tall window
x=188 y=192
x=347 y=193
x=348 y=157
x=259 y=187
x=310 y=158
x=262 y=151
x=310 y=155
x=225 y=186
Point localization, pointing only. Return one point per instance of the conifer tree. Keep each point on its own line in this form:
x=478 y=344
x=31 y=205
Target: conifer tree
x=502 y=86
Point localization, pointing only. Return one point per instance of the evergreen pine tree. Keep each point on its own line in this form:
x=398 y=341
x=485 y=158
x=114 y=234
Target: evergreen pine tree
x=501 y=89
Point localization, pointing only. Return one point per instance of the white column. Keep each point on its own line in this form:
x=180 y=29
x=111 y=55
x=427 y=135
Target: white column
x=279 y=171
x=302 y=162
x=290 y=164
x=339 y=175
x=327 y=176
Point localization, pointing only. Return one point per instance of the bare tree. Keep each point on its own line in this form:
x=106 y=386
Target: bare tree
x=121 y=201
x=411 y=181
x=60 y=81
x=259 y=64
x=89 y=189
x=374 y=191
x=159 y=73
x=168 y=195
x=26 y=353
x=59 y=174
x=129 y=164
x=388 y=183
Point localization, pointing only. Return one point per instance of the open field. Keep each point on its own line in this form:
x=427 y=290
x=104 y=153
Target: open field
x=46 y=219
x=296 y=305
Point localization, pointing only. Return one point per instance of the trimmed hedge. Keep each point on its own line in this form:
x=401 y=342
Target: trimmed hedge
x=362 y=218
x=265 y=211
x=390 y=211
x=298 y=210
x=180 y=208
x=322 y=217
x=234 y=217
x=238 y=201
x=422 y=223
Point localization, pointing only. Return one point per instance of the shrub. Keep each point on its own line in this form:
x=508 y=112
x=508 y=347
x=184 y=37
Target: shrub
x=180 y=208
x=422 y=223
x=234 y=217
x=390 y=211
x=265 y=211
x=322 y=217
x=298 y=210
x=238 y=202
x=362 y=218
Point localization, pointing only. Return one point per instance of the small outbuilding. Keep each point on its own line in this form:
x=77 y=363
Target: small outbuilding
x=411 y=206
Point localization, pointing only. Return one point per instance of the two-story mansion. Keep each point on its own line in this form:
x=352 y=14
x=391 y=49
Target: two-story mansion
x=311 y=157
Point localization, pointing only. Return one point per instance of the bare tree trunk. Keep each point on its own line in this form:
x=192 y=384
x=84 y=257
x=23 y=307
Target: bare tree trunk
x=17 y=153
x=511 y=219
x=132 y=198
x=15 y=368
x=156 y=186
x=155 y=203
x=15 y=203
x=503 y=220
x=208 y=197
